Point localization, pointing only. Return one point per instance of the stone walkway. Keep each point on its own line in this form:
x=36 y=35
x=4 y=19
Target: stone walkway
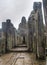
x=20 y=58
x=17 y=49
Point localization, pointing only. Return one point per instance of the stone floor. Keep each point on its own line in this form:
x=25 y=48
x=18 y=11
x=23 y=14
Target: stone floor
x=20 y=58
x=17 y=49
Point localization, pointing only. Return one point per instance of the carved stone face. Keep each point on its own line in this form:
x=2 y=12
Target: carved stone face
x=8 y=20
x=37 y=5
x=23 y=20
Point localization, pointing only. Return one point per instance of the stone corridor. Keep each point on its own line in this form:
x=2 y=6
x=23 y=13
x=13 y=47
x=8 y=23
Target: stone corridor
x=20 y=58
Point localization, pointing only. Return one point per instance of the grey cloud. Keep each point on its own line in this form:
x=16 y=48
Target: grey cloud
x=15 y=9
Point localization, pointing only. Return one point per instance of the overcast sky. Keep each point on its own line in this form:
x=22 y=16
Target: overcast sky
x=15 y=9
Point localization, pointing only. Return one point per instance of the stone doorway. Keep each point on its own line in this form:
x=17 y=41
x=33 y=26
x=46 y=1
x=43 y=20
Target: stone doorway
x=24 y=41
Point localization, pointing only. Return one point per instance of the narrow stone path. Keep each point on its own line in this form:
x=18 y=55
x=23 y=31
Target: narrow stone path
x=17 y=49
x=20 y=58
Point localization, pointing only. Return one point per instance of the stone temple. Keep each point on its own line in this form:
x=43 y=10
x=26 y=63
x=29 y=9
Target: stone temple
x=29 y=37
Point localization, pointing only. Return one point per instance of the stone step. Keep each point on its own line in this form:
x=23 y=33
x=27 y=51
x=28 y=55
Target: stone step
x=21 y=45
x=19 y=49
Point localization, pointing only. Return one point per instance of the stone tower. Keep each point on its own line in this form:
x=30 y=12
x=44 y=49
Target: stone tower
x=40 y=45
x=22 y=29
x=45 y=16
x=36 y=31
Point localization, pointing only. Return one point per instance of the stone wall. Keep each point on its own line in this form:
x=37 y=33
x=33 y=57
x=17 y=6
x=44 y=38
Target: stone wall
x=9 y=34
x=23 y=29
x=40 y=50
x=36 y=31
x=45 y=16
x=2 y=43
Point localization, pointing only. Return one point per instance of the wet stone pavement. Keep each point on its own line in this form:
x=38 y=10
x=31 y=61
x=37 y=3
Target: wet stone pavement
x=20 y=58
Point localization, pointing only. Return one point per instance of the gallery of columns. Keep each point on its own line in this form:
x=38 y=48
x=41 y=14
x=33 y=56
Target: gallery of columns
x=30 y=33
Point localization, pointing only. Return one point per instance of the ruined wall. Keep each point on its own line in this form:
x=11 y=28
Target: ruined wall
x=45 y=16
x=9 y=34
x=36 y=31
x=30 y=33
x=40 y=50
x=2 y=43
x=23 y=29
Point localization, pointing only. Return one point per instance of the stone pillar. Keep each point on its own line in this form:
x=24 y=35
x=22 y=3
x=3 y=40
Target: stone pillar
x=30 y=34
x=40 y=45
x=45 y=16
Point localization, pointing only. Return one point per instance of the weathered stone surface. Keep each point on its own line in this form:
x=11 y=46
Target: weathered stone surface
x=20 y=59
x=8 y=36
x=45 y=16
x=36 y=31
x=23 y=30
x=39 y=30
x=2 y=43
